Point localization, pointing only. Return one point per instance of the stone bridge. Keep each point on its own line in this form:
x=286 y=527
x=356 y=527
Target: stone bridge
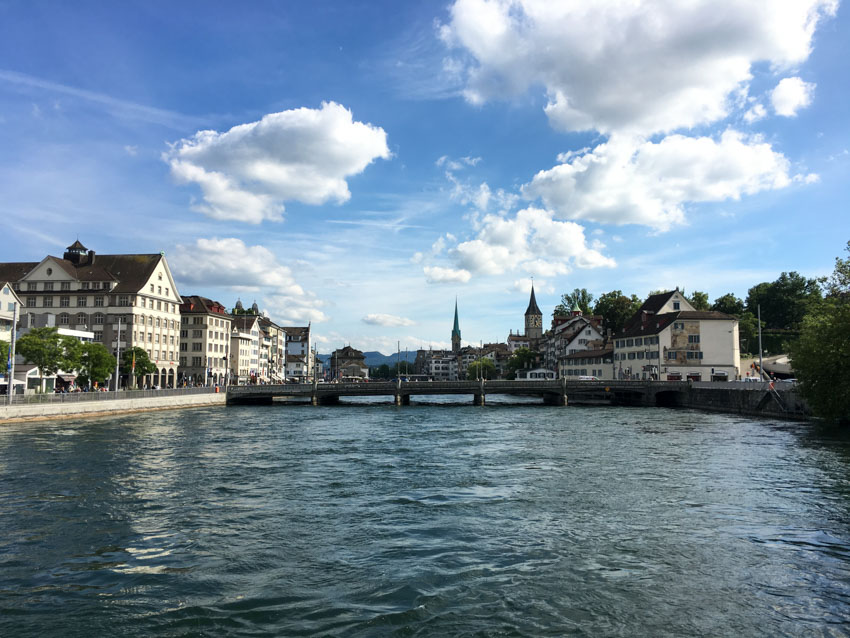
x=553 y=392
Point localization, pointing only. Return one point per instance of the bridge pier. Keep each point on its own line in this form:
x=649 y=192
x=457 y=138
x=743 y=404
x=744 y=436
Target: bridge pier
x=555 y=398
x=402 y=399
x=478 y=399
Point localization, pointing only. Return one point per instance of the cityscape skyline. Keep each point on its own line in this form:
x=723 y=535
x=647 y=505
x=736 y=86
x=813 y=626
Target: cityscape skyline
x=362 y=165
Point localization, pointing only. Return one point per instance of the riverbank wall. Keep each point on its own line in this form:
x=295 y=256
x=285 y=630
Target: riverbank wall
x=62 y=410
x=750 y=399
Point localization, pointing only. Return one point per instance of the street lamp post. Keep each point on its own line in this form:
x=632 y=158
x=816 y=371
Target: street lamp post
x=117 y=354
x=10 y=367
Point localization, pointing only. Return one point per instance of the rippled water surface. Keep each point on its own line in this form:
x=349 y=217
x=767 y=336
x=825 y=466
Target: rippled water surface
x=428 y=520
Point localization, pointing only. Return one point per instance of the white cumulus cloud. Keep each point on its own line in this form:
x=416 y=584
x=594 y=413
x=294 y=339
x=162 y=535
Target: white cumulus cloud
x=391 y=321
x=791 y=95
x=248 y=172
x=532 y=241
x=440 y=275
x=635 y=66
x=628 y=181
x=231 y=264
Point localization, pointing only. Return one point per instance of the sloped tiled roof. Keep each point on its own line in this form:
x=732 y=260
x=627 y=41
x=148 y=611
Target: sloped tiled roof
x=15 y=271
x=655 y=324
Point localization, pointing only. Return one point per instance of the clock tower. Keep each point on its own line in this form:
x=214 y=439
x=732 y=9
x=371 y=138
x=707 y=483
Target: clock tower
x=533 y=319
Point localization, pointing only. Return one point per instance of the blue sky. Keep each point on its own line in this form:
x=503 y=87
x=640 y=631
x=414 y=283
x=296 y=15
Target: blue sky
x=361 y=164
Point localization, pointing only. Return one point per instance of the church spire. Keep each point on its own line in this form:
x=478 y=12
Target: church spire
x=533 y=318
x=456 y=332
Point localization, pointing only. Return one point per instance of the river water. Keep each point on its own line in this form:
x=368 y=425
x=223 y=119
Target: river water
x=428 y=520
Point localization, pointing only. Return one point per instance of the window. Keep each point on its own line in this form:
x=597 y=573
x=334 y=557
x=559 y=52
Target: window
x=184 y=347
x=30 y=302
x=157 y=322
x=99 y=318
x=638 y=342
x=142 y=302
x=65 y=302
x=48 y=302
x=81 y=319
x=82 y=302
x=196 y=362
x=48 y=285
x=84 y=285
x=166 y=292
x=150 y=337
x=196 y=347
x=629 y=343
x=64 y=319
x=159 y=276
x=32 y=286
x=182 y=362
x=98 y=302
x=150 y=321
x=95 y=285
x=159 y=305
x=678 y=326
x=107 y=285
x=98 y=335
x=640 y=355
x=197 y=333
x=184 y=333
x=632 y=355
x=123 y=300
x=159 y=290
x=65 y=285
x=671 y=354
x=676 y=305
x=693 y=338
x=152 y=288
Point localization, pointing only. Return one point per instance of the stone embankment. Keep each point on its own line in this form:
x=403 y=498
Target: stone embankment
x=70 y=406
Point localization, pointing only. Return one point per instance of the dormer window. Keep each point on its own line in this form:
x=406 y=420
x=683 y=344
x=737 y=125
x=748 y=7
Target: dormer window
x=676 y=305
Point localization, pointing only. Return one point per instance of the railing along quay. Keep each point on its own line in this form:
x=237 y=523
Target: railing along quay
x=77 y=397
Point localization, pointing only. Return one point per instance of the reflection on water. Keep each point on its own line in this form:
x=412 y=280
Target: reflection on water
x=433 y=520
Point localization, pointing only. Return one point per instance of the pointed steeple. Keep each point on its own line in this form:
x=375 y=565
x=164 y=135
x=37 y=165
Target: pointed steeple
x=532 y=305
x=533 y=318
x=456 y=332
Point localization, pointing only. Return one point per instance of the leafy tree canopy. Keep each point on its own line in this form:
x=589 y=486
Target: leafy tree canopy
x=48 y=350
x=4 y=355
x=784 y=302
x=821 y=355
x=484 y=367
x=95 y=364
x=699 y=300
x=729 y=304
x=578 y=297
x=616 y=309
x=521 y=358
x=144 y=365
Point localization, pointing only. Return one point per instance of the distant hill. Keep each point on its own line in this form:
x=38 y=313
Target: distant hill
x=376 y=358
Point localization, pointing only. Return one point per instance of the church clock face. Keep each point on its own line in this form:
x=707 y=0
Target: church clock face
x=535 y=321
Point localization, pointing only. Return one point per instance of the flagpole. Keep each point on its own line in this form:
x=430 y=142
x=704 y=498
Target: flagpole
x=117 y=355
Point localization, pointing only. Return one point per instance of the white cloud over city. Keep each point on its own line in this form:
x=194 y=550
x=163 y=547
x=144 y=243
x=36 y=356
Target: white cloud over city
x=248 y=172
x=627 y=181
x=392 y=321
x=606 y=66
x=230 y=264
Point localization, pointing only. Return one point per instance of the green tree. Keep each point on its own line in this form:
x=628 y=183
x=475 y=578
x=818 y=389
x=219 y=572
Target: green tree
x=4 y=354
x=484 y=366
x=95 y=364
x=521 y=359
x=699 y=300
x=578 y=297
x=821 y=360
x=748 y=332
x=784 y=302
x=729 y=304
x=821 y=355
x=616 y=309
x=144 y=365
x=49 y=351
x=380 y=372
